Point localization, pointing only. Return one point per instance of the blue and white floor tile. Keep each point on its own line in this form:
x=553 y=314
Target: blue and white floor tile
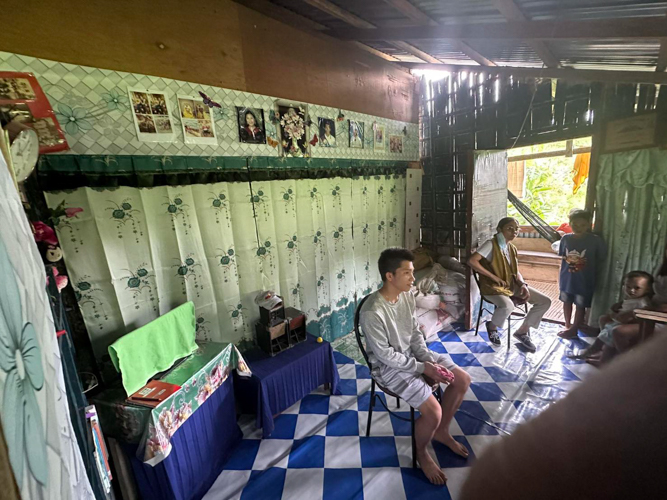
x=319 y=447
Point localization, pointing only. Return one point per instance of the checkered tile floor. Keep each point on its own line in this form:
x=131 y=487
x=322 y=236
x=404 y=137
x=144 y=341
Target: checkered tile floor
x=319 y=448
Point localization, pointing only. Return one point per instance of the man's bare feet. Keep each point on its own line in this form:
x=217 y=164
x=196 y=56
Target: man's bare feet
x=432 y=471
x=451 y=443
x=569 y=333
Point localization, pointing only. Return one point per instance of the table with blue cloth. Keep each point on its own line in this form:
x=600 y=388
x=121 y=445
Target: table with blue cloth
x=280 y=381
x=177 y=450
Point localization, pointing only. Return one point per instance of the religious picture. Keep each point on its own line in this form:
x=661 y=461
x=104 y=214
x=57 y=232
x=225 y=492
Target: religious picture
x=16 y=89
x=395 y=144
x=356 y=134
x=327 y=129
x=379 y=137
x=198 y=127
x=251 y=125
x=22 y=98
x=47 y=132
x=151 y=114
x=293 y=130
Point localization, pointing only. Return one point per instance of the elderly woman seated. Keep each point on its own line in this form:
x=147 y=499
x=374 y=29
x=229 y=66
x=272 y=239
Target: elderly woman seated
x=501 y=283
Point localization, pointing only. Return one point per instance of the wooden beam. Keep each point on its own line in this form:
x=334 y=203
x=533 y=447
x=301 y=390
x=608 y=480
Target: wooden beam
x=411 y=49
x=473 y=54
x=511 y=11
x=335 y=11
x=661 y=64
x=630 y=28
x=576 y=75
x=411 y=12
x=662 y=57
x=299 y=22
x=418 y=16
x=356 y=21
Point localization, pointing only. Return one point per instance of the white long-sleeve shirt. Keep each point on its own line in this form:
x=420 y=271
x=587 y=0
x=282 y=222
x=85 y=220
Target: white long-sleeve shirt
x=392 y=334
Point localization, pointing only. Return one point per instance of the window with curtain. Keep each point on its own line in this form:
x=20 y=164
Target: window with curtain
x=136 y=253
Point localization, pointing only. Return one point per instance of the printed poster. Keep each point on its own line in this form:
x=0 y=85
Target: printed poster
x=198 y=127
x=22 y=98
x=152 y=118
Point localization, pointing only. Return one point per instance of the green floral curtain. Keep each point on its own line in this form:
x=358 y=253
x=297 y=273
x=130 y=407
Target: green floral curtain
x=632 y=206
x=136 y=253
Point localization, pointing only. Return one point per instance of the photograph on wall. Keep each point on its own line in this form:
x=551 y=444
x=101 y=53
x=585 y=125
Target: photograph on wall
x=251 y=125
x=152 y=116
x=380 y=132
x=198 y=127
x=356 y=134
x=22 y=99
x=293 y=130
x=327 y=129
x=395 y=144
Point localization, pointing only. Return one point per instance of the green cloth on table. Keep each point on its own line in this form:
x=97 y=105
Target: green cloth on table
x=154 y=347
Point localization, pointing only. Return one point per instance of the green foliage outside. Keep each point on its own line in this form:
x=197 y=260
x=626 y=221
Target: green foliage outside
x=549 y=185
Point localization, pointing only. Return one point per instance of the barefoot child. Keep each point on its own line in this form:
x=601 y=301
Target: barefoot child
x=581 y=251
x=401 y=361
x=637 y=288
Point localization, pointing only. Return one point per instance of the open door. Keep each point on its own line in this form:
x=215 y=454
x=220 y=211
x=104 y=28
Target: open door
x=487 y=204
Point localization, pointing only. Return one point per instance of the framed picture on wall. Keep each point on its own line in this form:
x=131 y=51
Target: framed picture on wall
x=198 y=127
x=356 y=134
x=251 y=125
x=327 y=129
x=293 y=129
x=395 y=143
x=378 y=142
x=152 y=116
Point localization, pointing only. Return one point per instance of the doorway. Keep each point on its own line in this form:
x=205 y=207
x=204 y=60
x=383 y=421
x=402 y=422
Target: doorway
x=551 y=179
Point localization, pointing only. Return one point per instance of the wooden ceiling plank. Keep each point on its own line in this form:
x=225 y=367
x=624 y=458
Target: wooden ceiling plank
x=511 y=12
x=411 y=49
x=661 y=64
x=569 y=74
x=415 y=14
x=357 y=22
x=662 y=57
x=342 y=14
x=376 y=52
x=302 y=23
x=509 y=9
x=411 y=12
x=637 y=28
x=473 y=54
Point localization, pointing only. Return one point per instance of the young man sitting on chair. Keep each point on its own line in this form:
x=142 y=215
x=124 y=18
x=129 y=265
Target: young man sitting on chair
x=404 y=365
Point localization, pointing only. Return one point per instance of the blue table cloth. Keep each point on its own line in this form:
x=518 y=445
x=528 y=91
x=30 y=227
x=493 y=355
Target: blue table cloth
x=280 y=381
x=200 y=447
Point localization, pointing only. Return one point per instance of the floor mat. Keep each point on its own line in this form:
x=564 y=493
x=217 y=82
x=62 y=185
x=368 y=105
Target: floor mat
x=319 y=447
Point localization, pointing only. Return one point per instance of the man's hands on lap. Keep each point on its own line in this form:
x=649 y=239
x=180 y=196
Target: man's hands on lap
x=431 y=370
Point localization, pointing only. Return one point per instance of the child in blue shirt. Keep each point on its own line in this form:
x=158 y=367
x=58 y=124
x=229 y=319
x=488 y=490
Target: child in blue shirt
x=581 y=252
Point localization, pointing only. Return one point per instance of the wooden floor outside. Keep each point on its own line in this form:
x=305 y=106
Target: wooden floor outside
x=550 y=289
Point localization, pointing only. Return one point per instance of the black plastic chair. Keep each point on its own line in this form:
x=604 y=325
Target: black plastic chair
x=437 y=393
x=482 y=308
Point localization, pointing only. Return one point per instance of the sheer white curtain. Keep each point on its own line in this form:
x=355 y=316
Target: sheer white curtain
x=134 y=254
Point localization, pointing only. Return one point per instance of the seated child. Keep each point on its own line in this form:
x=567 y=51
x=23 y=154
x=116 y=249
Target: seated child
x=628 y=336
x=580 y=251
x=637 y=289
